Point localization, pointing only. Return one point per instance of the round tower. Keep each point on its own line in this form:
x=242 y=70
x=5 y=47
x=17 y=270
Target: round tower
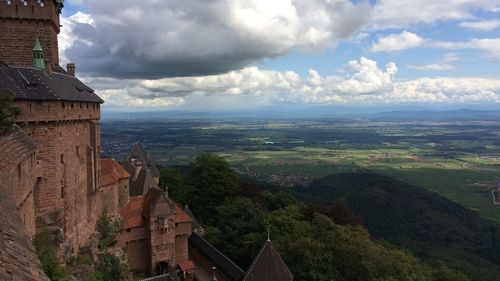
x=21 y=21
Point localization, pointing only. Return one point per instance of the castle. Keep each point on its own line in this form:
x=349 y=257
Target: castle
x=53 y=177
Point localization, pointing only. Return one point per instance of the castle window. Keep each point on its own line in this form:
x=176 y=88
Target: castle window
x=19 y=170
x=87 y=105
x=63 y=105
x=72 y=105
x=81 y=106
x=62 y=158
x=77 y=150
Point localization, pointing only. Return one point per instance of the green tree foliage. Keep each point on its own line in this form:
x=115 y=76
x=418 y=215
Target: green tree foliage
x=108 y=269
x=431 y=227
x=8 y=112
x=107 y=229
x=340 y=213
x=46 y=252
x=178 y=189
x=320 y=244
x=212 y=180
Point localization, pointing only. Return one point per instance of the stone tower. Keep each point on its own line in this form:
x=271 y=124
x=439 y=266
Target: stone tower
x=23 y=20
x=60 y=114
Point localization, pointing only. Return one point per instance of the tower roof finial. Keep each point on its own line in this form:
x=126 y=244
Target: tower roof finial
x=268 y=233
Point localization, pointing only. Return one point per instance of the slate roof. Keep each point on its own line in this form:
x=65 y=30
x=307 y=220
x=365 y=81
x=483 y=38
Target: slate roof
x=27 y=83
x=268 y=265
x=137 y=153
x=142 y=184
x=223 y=263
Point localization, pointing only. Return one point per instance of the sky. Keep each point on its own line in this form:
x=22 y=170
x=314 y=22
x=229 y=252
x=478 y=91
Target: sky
x=251 y=55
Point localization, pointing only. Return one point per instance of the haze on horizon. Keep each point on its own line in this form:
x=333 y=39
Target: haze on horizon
x=253 y=55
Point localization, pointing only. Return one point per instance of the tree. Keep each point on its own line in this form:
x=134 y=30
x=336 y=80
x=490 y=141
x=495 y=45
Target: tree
x=212 y=180
x=108 y=269
x=8 y=112
x=178 y=189
x=46 y=252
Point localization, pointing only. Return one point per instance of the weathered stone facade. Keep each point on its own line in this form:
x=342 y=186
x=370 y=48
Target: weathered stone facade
x=68 y=153
x=19 y=174
x=154 y=233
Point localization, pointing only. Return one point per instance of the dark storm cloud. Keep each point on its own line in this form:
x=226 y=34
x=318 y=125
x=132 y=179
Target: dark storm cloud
x=153 y=38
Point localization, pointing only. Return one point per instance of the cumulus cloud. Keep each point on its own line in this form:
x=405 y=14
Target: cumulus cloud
x=251 y=87
x=404 y=13
x=397 y=42
x=152 y=38
x=482 y=25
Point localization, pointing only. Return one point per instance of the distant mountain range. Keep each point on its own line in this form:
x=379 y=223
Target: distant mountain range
x=382 y=114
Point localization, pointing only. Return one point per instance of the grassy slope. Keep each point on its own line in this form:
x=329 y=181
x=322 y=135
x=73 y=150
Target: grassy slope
x=432 y=227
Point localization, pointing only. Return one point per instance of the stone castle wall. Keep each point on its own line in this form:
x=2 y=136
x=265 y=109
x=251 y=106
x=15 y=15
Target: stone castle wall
x=68 y=152
x=20 y=23
x=18 y=174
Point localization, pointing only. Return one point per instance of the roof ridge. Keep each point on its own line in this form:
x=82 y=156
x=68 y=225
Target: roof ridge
x=256 y=259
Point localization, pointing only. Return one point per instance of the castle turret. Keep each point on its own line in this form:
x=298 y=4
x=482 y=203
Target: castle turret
x=23 y=20
x=38 y=57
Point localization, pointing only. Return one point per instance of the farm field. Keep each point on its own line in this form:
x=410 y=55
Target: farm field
x=459 y=160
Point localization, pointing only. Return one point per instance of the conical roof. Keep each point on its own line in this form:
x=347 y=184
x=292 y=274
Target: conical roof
x=38 y=46
x=268 y=265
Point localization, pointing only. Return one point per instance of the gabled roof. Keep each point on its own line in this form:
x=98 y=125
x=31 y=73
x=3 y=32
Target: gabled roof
x=268 y=265
x=111 y=172
x=223 y=263
x=142 y=184
x=189 y=213
x=137 y=153
x=27 y=83
x=132 y=212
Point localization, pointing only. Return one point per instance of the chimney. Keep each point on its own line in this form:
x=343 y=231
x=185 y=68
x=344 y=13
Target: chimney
x=48 y=68
x=138 y=168
x=71 y=69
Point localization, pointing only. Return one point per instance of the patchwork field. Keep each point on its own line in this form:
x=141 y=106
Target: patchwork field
x=452 y=158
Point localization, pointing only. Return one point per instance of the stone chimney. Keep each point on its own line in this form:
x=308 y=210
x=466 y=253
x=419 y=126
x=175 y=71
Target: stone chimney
x=71 y=69
x=138 y=168
x=48 y=67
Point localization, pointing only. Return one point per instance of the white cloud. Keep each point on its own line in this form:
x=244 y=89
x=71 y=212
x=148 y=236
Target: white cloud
x=66 y=37
x=490 y=45
x=432 y=67
x=407 y=40
x=400 y=14
x=482 y=25
x=397 y=42
x=154 y=38
x=252 y=87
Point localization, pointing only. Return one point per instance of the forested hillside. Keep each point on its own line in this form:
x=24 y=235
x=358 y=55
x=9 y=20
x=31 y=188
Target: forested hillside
x=317 y=243
x=431 y=227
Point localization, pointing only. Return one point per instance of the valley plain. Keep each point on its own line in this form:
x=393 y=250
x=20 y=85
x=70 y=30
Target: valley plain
x=453 y=156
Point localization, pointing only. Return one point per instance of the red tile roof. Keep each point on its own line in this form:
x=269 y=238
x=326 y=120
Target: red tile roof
x=186 y=266
x=132 y=212
x=112 y=172
x=181 y=216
